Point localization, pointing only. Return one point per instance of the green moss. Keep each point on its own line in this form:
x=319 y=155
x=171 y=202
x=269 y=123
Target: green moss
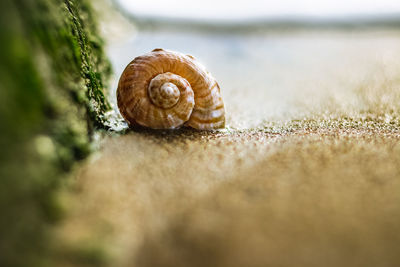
x=86 y=254
x=51 y=99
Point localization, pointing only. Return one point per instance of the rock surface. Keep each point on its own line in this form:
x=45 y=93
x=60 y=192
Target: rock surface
x=307 y=173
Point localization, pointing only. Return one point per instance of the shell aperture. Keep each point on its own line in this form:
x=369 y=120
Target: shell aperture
x=166 y=90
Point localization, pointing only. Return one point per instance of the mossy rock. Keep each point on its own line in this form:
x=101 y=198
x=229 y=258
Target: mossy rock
x=53 y=72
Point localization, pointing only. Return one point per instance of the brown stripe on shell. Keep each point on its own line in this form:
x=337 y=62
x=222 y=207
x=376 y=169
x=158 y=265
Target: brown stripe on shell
x=209 y=101
x=206 y=126
x=207 y=93
x=217 y=114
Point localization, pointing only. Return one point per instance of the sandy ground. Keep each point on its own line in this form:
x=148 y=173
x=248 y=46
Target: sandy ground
x=307 y=172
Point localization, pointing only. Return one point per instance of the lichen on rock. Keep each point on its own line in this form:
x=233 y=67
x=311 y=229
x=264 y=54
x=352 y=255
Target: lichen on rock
x=53 y=73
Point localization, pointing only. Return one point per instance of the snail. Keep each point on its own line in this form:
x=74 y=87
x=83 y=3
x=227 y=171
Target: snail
x=166 y=90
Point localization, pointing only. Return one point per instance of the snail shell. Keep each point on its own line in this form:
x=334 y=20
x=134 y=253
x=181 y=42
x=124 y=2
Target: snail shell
x=165 y=90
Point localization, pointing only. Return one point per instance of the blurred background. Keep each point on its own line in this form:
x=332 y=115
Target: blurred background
x=219 y=11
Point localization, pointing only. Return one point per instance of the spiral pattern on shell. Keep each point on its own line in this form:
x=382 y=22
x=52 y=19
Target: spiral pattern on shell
x=165 y=90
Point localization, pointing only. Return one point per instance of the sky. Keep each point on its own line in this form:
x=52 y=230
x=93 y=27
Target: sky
x=247 y=9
